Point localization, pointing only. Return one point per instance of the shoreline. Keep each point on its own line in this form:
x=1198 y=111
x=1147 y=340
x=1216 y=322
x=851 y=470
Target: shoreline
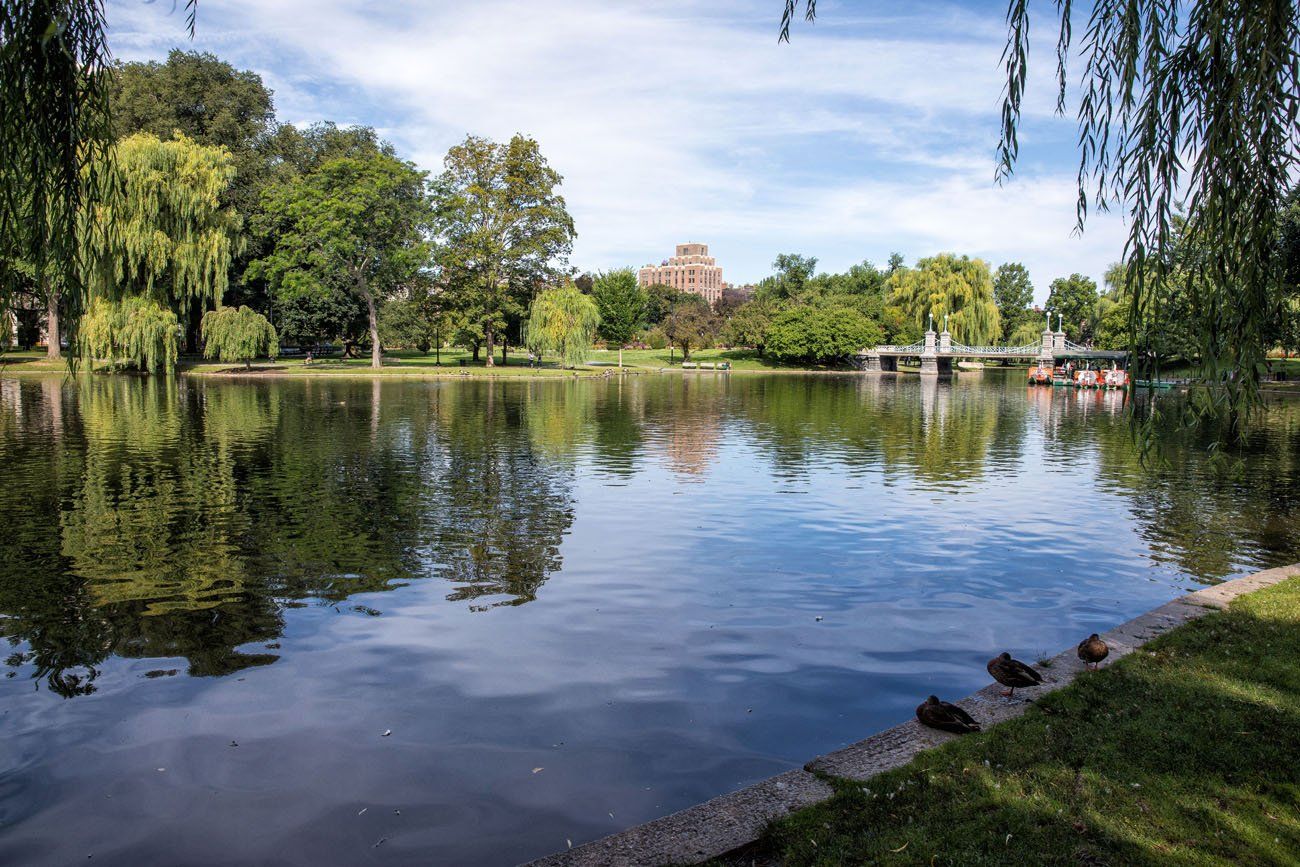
x=736 y=820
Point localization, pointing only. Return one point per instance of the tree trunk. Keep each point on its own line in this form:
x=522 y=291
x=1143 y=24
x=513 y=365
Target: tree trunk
x=490 y=339
x=52 y=349
x=620 y=358
x=476 y=349
x=376 y=353
x=505 y=344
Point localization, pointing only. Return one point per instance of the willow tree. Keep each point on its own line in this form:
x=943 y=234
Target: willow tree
x=159 y=229
x=958 y=287
x=55 y=134
x=238 y=334
x=355 y=223
x=563 y=321
x=135 y=331
x=504 y=229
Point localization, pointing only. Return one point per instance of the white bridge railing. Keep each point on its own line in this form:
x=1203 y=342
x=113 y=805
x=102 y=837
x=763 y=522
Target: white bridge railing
x=1028 y=349
x=918 y=348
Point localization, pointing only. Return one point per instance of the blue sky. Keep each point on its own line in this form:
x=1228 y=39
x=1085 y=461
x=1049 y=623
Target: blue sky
x=677 y=121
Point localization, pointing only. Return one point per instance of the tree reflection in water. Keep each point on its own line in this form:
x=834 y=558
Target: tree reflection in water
x=155 y=518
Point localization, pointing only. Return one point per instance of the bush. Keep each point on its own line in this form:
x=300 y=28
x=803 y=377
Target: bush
x=233 y=334
x=820 y=334
x=656 y=339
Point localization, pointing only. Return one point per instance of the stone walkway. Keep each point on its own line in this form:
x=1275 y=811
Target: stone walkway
x=731 y=821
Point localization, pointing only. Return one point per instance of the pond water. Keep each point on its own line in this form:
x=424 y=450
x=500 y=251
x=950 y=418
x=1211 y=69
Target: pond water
x=350 y=621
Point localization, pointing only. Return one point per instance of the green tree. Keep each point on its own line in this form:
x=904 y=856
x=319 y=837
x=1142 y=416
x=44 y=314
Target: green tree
x=622 y=306
x=690 y=323
x=563 y=321
x=749 y=325
x=503 y=229
x=660 y=298
x=1013 y=292
x=814 y=333
x=402 y=323
x=947 y=285
x=358 y=223
x=208 y=101
x=233 y=334
x=313 y=318
x=1075 y=299
x=792 y=273
x=160 y=229
x=135 y=330
x=54 y=137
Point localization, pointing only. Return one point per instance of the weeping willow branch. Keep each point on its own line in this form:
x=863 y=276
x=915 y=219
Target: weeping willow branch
x=1182 y=104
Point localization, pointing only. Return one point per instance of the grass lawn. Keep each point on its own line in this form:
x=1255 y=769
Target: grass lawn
x=403 y=362
x=1187 y=752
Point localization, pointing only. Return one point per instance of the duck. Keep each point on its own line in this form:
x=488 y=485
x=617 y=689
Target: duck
x=1092 y=650
x=945 y=716
x=1012 y=673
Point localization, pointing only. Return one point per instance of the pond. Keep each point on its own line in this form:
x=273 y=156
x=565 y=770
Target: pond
x=343 y=621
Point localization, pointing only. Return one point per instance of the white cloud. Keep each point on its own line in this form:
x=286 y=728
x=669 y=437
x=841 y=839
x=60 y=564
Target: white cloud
x=872 y=131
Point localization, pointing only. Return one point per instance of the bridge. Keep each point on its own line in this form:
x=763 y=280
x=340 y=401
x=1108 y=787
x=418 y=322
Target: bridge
x=938 y=351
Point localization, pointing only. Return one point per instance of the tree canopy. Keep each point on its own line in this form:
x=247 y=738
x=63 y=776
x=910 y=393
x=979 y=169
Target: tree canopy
x=357 y=223
x=135 y=330
x=1075 y=299
x=233 y=334
x=563 y=321
x=503 y=229
x=817 y=334
x=947 y=285
x=159 y=228
x=1013 y=292
x=690 y=323
x=622 y=306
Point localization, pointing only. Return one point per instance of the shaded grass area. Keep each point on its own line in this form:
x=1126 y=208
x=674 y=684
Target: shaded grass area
x=1186 y=752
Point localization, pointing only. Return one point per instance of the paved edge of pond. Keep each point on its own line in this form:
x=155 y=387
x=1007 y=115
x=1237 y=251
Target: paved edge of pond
x=737 y=819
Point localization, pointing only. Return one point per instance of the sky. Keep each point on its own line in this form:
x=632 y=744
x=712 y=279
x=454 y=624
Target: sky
x=674 y=121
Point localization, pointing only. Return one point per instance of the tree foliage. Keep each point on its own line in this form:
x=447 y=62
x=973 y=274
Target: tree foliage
x=791 y=274
x=206 y=100
x=690 y=323
x=233 y=334
x=814 y=333
x=749 y=325
x=135 y=330
x=1013 y=292
x=356 y=223
x=1075 y=299
x=947 y=285
x=54 y=136
x=563 y=321
x=1181 y=105
x=159 y=228
x=1186 y=105
x=503 y=227
x=622 y=306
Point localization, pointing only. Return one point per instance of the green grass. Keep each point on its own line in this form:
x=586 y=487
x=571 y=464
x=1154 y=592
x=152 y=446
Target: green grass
x=408 y=363
x=1187 y=752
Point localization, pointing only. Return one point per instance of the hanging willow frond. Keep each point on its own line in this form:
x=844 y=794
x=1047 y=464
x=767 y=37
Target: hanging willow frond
x=1188 y=104
x=54 y=125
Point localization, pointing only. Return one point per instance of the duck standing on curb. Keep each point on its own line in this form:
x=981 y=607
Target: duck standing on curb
x=1092 y=650
x=945 y=717
x=1012 y=673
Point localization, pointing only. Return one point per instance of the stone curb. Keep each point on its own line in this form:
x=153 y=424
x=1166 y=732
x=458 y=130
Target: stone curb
x=734 y=820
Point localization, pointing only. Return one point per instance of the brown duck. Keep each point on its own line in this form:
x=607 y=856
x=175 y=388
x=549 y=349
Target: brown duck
x=1092 y=650
x=1012 y=673
x=945 y=717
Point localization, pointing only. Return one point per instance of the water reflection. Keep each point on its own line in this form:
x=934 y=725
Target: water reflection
x=159 y=518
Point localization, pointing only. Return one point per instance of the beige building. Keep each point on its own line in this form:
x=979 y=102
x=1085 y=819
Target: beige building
x=691 y=270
